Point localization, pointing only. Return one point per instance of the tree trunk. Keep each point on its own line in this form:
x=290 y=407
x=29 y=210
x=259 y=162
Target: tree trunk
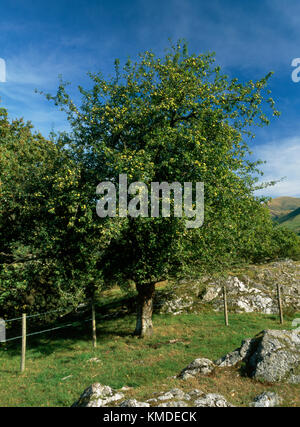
x=145 y=296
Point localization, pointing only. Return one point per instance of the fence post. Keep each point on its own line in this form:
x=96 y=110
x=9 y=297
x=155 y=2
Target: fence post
x=225 y=305
x=2 y=330
x=94 y=325
x=23 y=355
x=279 y=303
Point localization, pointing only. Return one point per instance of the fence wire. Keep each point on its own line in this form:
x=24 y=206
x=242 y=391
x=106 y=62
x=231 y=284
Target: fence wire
x=45 y=313
x=48 y=330
x=66 y=325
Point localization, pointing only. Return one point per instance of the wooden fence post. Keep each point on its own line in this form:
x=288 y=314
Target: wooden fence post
x=279 y=303
x=225 y=305
x=94 y=326
x=23 y=355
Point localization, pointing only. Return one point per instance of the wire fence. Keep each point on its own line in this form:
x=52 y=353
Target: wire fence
x=48 y=330
x=71 y=311
x=43 y=314
x=65 y=311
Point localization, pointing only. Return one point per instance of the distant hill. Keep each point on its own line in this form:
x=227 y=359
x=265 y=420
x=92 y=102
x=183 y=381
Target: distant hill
x=291 y=220
x=286 y=212
x=281 y=206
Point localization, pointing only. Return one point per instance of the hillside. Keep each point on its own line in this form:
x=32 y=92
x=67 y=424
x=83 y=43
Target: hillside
x=282 y=206
x=291 y=220
x=286 y=212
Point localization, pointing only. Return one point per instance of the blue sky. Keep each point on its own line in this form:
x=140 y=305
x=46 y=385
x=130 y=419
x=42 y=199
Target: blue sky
x=40 y=40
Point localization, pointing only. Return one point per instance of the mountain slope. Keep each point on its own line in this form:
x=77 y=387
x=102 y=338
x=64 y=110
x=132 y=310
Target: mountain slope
x=282 y=206
x=291 y=220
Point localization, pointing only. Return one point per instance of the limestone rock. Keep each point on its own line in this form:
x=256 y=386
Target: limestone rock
x=277 y=357
x=98 y=395
x=133 y=403
x=166 y=396
x=194 y=394
x=213 y=401
x=266 y=399
x=235 y=356
x=199 y=366
x=179 y=394
x=175 y=393
x=255 y=290
x=151 y=400
x=177 y=305
x=176 y=404
x=272 y=356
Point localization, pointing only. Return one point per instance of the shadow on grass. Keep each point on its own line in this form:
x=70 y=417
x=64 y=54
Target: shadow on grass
x=66 y=338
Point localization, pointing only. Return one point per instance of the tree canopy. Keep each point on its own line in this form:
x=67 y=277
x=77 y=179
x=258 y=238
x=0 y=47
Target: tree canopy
x=47 y=230
x=173 y=119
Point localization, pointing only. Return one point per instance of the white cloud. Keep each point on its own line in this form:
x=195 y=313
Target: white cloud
x=283 y=161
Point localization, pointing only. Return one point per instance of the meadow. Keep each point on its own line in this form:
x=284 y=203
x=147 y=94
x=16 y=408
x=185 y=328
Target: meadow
x=61 y=364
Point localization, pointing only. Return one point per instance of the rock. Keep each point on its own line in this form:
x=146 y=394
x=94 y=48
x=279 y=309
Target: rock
x=194 y=394
x=152 y=400
x=277 y=357
x=176 y=404
x=266 y=399
x=166 y=396
x=241 y=297
x=211 y=293
x=212 y=401
x=272 y=356
x=175 y=393
x=179 y=394
x=255 y=290
x=98 y=395
x=235 y=356
x=178 y=305
x=132 y=403
x=199 y=366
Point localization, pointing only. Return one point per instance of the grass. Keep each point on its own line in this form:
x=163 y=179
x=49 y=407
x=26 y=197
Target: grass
x=291 y=221
x=58 y=365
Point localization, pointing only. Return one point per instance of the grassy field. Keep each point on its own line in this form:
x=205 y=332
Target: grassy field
x=291 y=221
x=58 y=365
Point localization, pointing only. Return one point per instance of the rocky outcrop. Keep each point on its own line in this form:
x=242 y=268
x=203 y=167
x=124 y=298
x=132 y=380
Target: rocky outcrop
x=175 y=393
x=132 y=403
x=241 y=297
x=272 y=356
x=232 y=358
x=194 y=398
x=173 y=404
x=255 y=290
x=212 y=401
x=267 y=399
x=98 y=395
x=177 y=305
x=252 y=289
x=199 y=366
